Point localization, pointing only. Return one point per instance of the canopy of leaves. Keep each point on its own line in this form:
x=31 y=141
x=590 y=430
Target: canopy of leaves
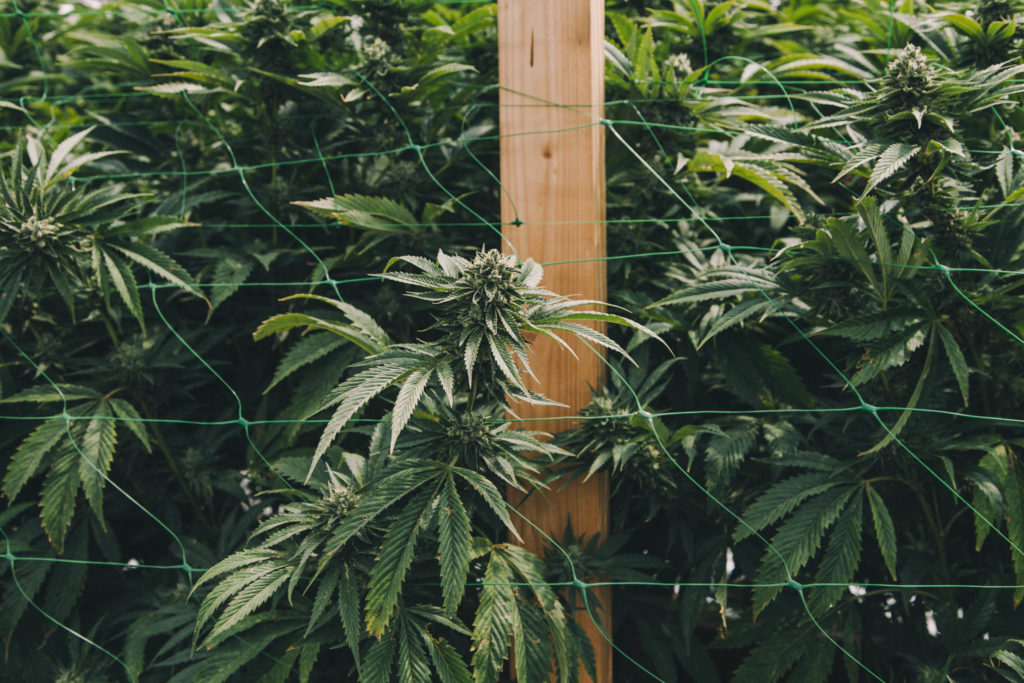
x=260 y=347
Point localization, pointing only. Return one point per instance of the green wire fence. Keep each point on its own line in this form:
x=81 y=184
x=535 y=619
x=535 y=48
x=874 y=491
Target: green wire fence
x=245 y=421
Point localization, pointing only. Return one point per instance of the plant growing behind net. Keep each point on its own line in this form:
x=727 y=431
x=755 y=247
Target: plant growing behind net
x=374 y=532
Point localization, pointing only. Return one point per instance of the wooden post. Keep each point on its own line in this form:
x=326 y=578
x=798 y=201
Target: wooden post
x=551 y=73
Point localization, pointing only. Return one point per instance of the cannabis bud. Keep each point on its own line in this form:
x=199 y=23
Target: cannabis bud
x=38 y=233
x=910 y=73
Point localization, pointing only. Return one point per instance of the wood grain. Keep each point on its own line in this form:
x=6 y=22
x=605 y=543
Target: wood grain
x=551 y=72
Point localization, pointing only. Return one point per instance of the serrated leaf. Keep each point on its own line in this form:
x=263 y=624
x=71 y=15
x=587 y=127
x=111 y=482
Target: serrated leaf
x=957 y=361
x=377 y=339
x=724 y=452
x=177 y=88
x=381 y=495
x=247 y=590
x=781 y=499
x=29 y=456
x=1013 y=508
x=356 y=392
x=447 y=661
x=409 y=396
x=840 y=560
x=454 y=542
x=1004 y=171
x=891 y=160
x=413 y=665
x=325 y=80
x=394 y=560
x=52 y=393
x=60 y=491
x=289 y=321
x=885 y=532
x=61 y=152
x=67 y=579
x=131 y=419
x=492 y=633
x=489 y=492
x=375 y=213
x=305 y=351
x=228 y=275
x=97 y=456
x=160 y=264
x=348 y=610
x=124 y=282
x=796 y=542
x=379 y=662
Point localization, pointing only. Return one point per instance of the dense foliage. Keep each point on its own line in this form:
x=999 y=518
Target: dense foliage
x=259 y=345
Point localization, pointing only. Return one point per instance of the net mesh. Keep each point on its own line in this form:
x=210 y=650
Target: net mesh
x=243 y=420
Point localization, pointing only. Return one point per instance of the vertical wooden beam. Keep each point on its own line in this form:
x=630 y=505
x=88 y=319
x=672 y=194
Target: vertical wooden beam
x=551 y=73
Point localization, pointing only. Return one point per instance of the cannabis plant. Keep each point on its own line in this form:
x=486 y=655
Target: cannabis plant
x=422 y=503
x=67 y=235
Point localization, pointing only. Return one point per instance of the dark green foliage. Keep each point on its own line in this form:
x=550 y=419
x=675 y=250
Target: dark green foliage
x=243 y=441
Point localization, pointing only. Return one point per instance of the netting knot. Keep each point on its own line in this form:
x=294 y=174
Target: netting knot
x=581 y=585
x=795 y=585
x=242 y=421
x=868 y=407
x=645 y=415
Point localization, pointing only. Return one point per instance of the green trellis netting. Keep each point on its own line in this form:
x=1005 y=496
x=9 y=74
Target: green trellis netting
x=743 y=227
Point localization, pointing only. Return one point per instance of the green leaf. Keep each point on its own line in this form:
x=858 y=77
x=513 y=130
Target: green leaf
x=491 y=495
x=492 y=633
x=67 y=579
x=288 y=321
x=773 y=656
x=781 y=499
x=228 y=275
x=60 y=490
x=97 y=456
x=305 y=351
x=375 y=213
x=245 y=591
x=131 y=419
x=1004 y=171
x=447 y=662
x=394 y=560
x=413 y=665
x=349 y=594
x=885 y=532
x=378 y=339
x=52 y=393
x=124 y=282
x=307 y=661
x=354 y=393
x=379 y=496
x=29 y=456
x=160 y=264
x=725 y=452
x=454 y=543
x=409 y=396
x=796 y=542
x=841 y=558
x=891 y=160
x=325 y=587
x=1013 y=508
x=956 y=360
x=966 y=25
x=379 y=662
x=233 y=563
